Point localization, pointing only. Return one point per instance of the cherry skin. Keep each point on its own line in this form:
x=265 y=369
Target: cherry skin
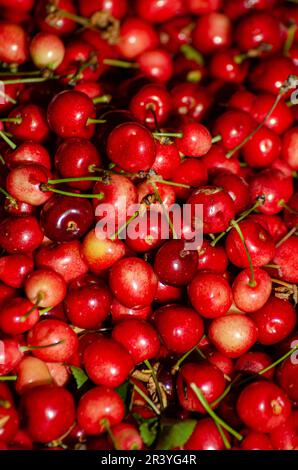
x=259 y=244
x=24 y=183
x=65 y=258
x=253 y=362
x=263 y=406
x=275 y=320
x=49 y=411
x=262 y=149
x=257 y=29
x=167 y=161
x=206 y=377
x=158 y=12
x=28 y=152
x=166 y=193
x=271 y=73
x=180 y=327
x=156 y=64
x=116 y=8
x=119 y=312
x=166 y=293
x=256 y=441
x=99 y=406
x=233 y=334
x=287 y=378
x=13 y=355
x=133 y=282
x=31 y=372
x=47 y=51
x=107 y=362
x=174 y=264
x=218 y=209
x=233 y=126
x=196 y=140
x=288 y=266
x=32 y=125
x=20 y=234
x=279 y=120
x=9 y=416
x=13 y=320
x=136 y=37
x=60 y=338
x=68 y=115
x=212 y=31
x=205 y=436
x=250 y=298
x=127 y=437
x=212 y=258
x=139 y=338
x=88 y=306
x=101 y=253
x=284 y=437
x=291 y=216
x=131 y=147
x=210 y=294
x=150 y=101
x=14 y=46
x=289 y=143
x=14 y=269
x=273 y=224
x=192 y=172
x=64 y=218
x=216 y=161
x=236 y=187
x=46 y=287
x=224 y=66
x=189 y=100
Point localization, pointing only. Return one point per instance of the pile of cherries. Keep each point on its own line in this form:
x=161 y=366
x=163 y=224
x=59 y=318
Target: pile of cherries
x=110 y=342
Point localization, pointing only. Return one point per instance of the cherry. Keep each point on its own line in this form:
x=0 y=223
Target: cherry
x=101 y=253
x=258 y=242
x=20 y=234
x=45 y=287
x=262 y=149
x=24 y=183
x=206 y=436
x=166 y=194
x=233 y=334
x=216 y=162
x=126 y=437
x=180 y=327
x=196 y=140
x=166 y=293
x=269 y=75
x=98 y=408
x=138 y=337
x=28 y=152
x=263 y=406
x=49 y=411
x=28 y=122
x=291 y=214
x=250 y=298
x=158 y=12
x=136 y=36
x=210 y=294
x=218 y=209
x=224 y=65
x=287 y=378
x=68 y=115
x=254 y=362
x=133 y=282
x=289 y=144
x=131 y=147
x=32 y=372
x=212 y=258
x=107 y=362
x=212 y=31
x=9 y=418
x=284 y=437
x=272 y=224
x=14 y=269
x=244 y=100
x=191 y=172
x=174 y=264
x=22 y=5
x=65 y=258
x=13 y=355
x=6 y=293
x=119 y=312
x=47 y=50
x=116 y=8
x=233 y=126
x=288 y=268
x=206 y=377
x=189 y=100
x=88 y=306
x=151 y=105
x=59 y=25
x=280 y=119
x=53 y=341
x=14 y=318
x=256 y=441
x=275 y=320
x=259 y=30
x=14 y=46
x=74 y=158
x=236 y=187
x=64 y=219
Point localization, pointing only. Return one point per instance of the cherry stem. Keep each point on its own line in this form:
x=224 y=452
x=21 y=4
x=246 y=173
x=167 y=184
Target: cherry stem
x=9 y=197
x=29 y=80
x=6 y=378
x=146 y=398
x=288 y=235
x=105 y=423
x=44 y=346
x=178 y=135
x=67 y=14
x=216 y=138
x=223 y=436
x=176 y=367
x=282 y=283
x=70 y=194
x=213 y=415
x=9 y=142
x=251 y=53
x=21 y=74
x=165 y=211
x=272 y=266
x=190 y=53
x=151 y=108
x=16 y=120
x=282 y=91
x=224 y=394
x=288 y=208
x=278 y=361
x=172 y=183
x=156 y=382
x=2 y=160
x=290 y=38
x=45 y=310
x=34 y=307
x=74 y=180
x=102 y=99
x=95 y=121
x=124 y=226
x=252 y=282
x=7 y=98
x=121 y=63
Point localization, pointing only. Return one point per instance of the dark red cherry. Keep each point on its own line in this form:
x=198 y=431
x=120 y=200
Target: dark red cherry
x=212 y=31
x=287 y=377
x=180 y=327
x=291 y=214
x=20 y=234
x=257 y=30
x=236 y=187
x=107 y=362
x=206 y=377
x=31 y=123
x=256 y=441
x=274 y=186
x=68 y=115
x=212 y=258
x=64 y=218
x=253 y=362
x=150 y=102
x=217 y=162
x=271 y=73
x=206 y=436
x=13 y=319
x=174 y=264
x=210 y=294
x=263 y=406
x=233 y=126
x=14 y=269
x=288 y=266
x=49 y=411
x=98 y=407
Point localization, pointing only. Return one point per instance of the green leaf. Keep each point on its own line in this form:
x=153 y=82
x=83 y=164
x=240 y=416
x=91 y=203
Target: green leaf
x=148 y=430
x=79 y=376
x=123 y=390
x=175 y=434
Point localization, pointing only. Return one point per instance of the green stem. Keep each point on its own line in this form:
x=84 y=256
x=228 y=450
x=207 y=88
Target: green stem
x=45 y=310
x=70 y=194
x=272 y=266
x=176 y=367
x=95 y=121
x=74 y=180
x=105 y=423
x=146 y=398
x=252 y=282
x=124 y=226
x=155 y=380
x=9 y=197
x=278 y=361
x=71 y=16
x=178 y=135
x=290 y=38
x=172 y=183
x=9 y=142
x=34 y=307
x=216 y=138
x=282 y=283
x=190 y=53
x=213 y=415
x=165 y=211
x=20 y=74
x=7 y=98
x=43 y=346
x=121 y=63
x=2 y=160
x=6 y=378
x=102 y=99
x=17 y=120
x=28 y=80
x=287 y=236
x=223 y=436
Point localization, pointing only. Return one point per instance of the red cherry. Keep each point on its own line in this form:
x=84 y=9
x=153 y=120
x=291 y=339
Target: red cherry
x=13 y=355
x=280 y=119
x=101 y=253
x=233 y=334
x=156 y=64
x=31 y=123
x=60 y=338
x=174 y=264
x=198 y=7
x=158 y=12
x=61 y=25
x=262 y=149
x=216 y=161
x=275 y=321
x=133 y=282
x=107 y=362
x=250 y=298
x=206 y=377
x=192 y=172
x=29 y=152
x=14 y=46
x=20 y=235
x=14 y=269
x=288 y=266
x=127 y=437
x=165 y=293
x=284 y=437
x=272 y=224
x=149 y=102
x=136 y=36
x=98 y=407
x=46 y=287
x=24 y=183
x=236 y=187
x=212 y=258
x=9 y=416
x=205 y=436
x=196 y=140
x=224 y=66
x=212 y=31
x=189 y=100
x=253 y=362
x=31 y=372
x=263 y=406
x=256 y=441
x=119 y=312
x=287 y=378
x=50 y=412
x=116 y=8
x=289 y=144
x=180 y=327
x=210 y=294
x=14 y=319
x=291 y=214
x=132 y=147
x=271 y=73
x=257 y=29
x=233 y=126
